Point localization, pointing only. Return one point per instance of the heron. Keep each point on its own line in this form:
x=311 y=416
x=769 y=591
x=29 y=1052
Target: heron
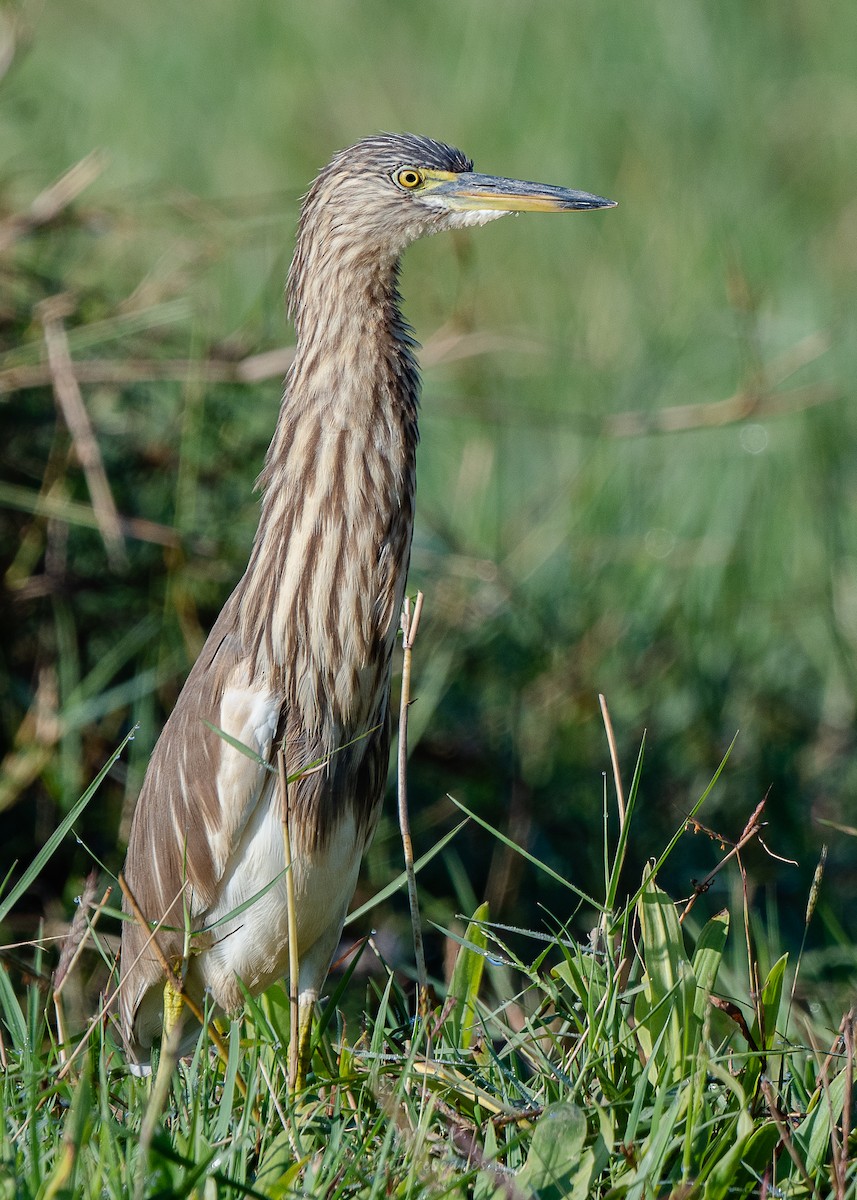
x=298 y=663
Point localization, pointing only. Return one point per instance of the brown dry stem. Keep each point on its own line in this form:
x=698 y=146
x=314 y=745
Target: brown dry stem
x=69 y=398
x=410 y=624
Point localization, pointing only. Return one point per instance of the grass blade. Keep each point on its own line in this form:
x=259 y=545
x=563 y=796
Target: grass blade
x=44 y=856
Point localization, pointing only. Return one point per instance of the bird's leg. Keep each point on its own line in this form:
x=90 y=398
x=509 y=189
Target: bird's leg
x=174 y=1007
x=175 y=1010
x=311 y=976
x=303 y=1034
x=174 y=998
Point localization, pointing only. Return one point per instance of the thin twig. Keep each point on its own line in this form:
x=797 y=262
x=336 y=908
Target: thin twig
x=410 y=624
x=70 y=401
x=751 y=830
x=170 y=976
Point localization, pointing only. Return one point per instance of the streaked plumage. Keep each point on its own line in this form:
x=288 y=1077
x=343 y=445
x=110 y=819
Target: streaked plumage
x=300 y=656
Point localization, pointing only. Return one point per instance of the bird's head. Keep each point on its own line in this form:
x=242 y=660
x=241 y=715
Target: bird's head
x=394 y=188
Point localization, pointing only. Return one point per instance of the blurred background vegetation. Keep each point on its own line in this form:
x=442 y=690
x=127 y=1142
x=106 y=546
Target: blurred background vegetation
x=638 y=471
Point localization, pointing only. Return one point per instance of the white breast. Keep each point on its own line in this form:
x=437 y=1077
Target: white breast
x=253 y=945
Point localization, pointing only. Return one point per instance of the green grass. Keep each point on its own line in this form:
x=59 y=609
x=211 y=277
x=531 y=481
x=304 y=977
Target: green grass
x=660 y=1056
x=591 y=518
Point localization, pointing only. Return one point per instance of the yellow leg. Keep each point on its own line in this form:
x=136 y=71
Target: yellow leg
x=170 y=1042
x=173 y=1008
x=299 y=1050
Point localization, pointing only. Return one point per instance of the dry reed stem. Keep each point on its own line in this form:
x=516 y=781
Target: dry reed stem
x=52 y=202
x=292 y=918
x=682 y=418
x=614 y=760
x=57 y=508
x=740 y=406
x=254 y=368
x=33 y=743
x=410 y=624
x=51 y=314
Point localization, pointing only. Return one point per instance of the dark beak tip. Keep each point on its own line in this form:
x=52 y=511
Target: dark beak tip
x=585 y=202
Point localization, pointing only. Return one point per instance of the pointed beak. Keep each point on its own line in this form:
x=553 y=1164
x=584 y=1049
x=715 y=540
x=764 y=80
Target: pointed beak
x=469 y=191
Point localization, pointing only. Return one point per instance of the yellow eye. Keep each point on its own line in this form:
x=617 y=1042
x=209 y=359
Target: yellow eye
x=408 y=178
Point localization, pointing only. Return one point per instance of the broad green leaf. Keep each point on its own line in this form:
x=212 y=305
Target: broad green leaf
x=10 y=1012
x=812 y=1136
x=772 y=992
x=656 y=1150
x=662 y=940
x=557 y=1167
x=664 y=1009
x=465 y=981
x=758 y=1156
x=721 y=1182
x=487 y=1187
x=279 y=1170
x=707 y=958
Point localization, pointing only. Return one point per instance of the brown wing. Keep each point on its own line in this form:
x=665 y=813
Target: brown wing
x=196 y=798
